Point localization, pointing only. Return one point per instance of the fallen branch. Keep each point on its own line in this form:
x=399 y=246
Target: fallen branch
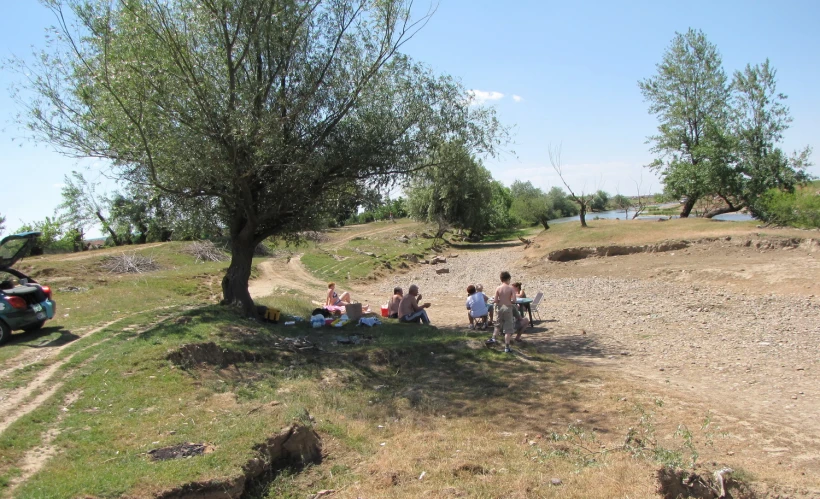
x=205 y=251
x=527 y=242
x=129 y=264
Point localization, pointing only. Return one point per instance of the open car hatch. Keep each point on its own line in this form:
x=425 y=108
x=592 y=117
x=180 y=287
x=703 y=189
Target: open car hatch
x=15 y=247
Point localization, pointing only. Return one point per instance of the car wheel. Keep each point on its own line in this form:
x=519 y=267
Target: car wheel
x=34 y=327
x=5 y=332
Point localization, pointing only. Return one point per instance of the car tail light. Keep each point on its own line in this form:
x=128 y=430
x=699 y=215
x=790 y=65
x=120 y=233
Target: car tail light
x=17 y=302
x=47 y=291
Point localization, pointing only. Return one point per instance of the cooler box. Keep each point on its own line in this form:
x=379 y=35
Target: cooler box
x=384 y=310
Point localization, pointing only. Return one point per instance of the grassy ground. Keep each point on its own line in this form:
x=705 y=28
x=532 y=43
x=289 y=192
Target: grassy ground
x=412 y=400
x=376 y=250
x=413 y=411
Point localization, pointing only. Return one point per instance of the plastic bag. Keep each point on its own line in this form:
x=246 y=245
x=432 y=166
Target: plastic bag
x=317 y=320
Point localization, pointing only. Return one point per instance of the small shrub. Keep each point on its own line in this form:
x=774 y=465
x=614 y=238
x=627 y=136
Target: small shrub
x=799 y=209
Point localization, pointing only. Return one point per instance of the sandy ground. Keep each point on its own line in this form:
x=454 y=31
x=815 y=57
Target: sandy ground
x=723 y=329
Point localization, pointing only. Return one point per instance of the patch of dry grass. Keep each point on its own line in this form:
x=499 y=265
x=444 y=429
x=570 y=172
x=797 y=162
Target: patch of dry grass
x=638 y=232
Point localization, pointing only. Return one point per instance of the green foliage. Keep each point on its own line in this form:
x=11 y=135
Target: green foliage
x=459 y=192
x=715 y=139
x=381 y=211
x=500 y=217
x=531 y=205
x=600 y=201
x=799 y=209
x=2 y=223
x=561 y=204
x=55 y=237
x=689 y=95
x=271 y=125
x=760 y=118
x=622 y=202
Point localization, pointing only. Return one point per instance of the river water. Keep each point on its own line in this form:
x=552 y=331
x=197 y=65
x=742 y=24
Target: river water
x=613 y=214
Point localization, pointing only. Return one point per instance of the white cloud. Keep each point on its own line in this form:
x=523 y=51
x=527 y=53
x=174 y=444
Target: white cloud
x=482 y=96
x=517 y=98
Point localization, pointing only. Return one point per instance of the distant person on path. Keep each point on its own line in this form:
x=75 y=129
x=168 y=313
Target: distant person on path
x=506 y=312
x=476 y=307
x=409 y=308
x=393 y=304
x=333 y=298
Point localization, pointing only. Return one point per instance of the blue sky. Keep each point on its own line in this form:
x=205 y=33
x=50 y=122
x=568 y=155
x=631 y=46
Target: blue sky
x=574 y=67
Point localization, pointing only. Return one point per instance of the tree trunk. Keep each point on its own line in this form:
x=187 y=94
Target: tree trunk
x=235 y=282
x=687 y=206
x=143 y=233
x=545 y=223
x=721 y=211
x=583 y=216
x=114 y=236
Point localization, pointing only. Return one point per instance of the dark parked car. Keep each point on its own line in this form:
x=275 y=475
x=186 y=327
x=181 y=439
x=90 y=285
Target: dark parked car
x=24 y=303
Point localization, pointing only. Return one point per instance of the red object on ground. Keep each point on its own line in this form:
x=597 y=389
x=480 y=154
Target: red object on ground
x=384 y=311
x=328 y=322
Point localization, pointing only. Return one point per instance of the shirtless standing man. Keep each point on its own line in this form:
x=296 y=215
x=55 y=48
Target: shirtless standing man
x=506 y=311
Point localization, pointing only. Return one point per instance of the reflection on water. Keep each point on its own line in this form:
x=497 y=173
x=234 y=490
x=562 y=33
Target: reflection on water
x=613 y=214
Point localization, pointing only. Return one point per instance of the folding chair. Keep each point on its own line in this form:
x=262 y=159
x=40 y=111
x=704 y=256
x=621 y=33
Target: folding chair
x=535 y=302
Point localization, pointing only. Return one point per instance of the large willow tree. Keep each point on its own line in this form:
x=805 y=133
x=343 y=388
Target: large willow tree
x=271 y=108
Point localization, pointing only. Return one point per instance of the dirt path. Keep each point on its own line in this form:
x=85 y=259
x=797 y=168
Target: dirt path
x=20 y=401
x=36 y=458
x=722 y=330
x=279 y=274
x=732 y=330
x=101 y=252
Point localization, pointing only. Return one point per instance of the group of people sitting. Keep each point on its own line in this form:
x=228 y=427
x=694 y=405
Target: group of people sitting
x=480 y=307
x=510 y=317
x=407 y=308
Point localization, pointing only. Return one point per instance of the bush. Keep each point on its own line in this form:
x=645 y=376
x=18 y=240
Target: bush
x=799 y=209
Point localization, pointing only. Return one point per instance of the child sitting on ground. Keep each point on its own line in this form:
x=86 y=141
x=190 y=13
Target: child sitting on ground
x=476 y=307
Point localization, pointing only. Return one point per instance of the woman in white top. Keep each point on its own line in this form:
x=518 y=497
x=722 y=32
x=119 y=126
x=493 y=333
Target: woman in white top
x=477 y=307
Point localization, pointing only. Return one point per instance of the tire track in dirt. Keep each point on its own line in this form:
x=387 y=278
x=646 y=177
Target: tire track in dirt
x=14 y=406
x=34 y=460
x=28 y=357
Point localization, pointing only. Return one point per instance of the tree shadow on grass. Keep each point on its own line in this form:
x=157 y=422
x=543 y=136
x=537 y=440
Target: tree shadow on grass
x=420 y=369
